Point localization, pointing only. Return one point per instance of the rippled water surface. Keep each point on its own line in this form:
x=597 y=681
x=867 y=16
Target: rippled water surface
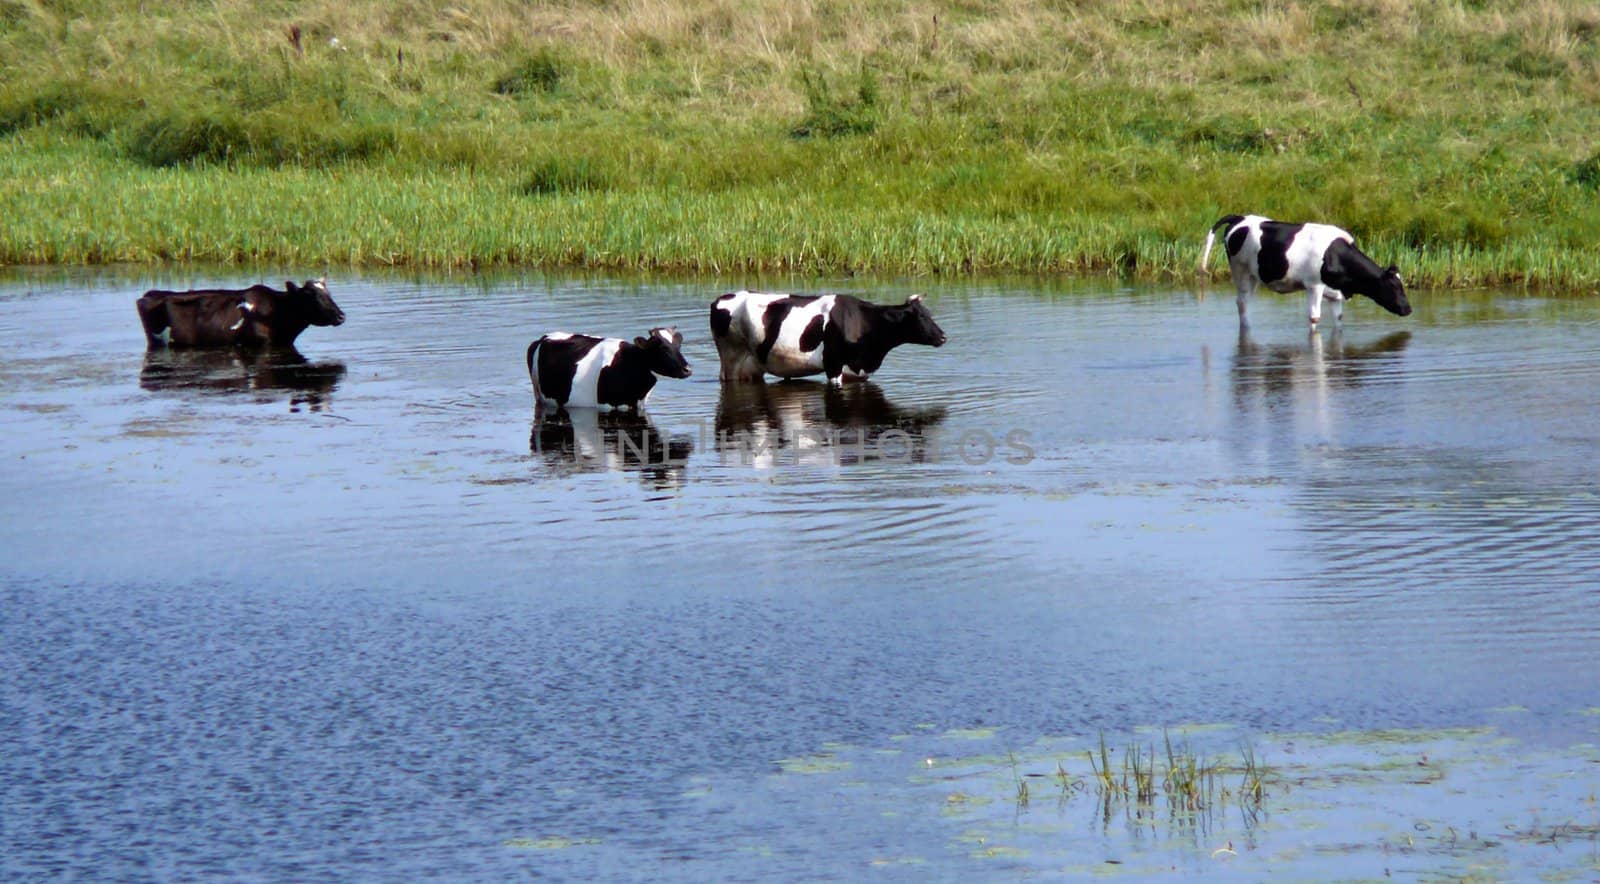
x=356 y=612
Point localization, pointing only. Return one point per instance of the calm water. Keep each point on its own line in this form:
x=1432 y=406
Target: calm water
x=360 y=614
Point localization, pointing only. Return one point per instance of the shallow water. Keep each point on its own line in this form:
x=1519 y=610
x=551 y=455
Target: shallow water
x=360 y=613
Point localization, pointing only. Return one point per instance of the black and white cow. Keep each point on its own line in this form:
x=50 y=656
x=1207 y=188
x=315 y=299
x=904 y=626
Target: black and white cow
x=1319 y=258
x=589 y=372
x=794 y=336
x=256 y=317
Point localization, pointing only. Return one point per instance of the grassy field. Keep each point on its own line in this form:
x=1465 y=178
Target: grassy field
x=1458 y=139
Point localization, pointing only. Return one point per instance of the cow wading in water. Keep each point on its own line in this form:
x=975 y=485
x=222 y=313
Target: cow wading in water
x=794 y=336
x=254 y=318
x=1319 y=258
x=589 y=372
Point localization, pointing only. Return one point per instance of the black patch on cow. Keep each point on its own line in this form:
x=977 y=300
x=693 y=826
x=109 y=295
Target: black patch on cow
x=558 y=363
x=626 y=379
x=772 y=322
x=721 y=317
x=1348 y=269
x=1272 y=262
x=1345 y=268
x=1236 y=239
x=860 y=334
x=811 y=338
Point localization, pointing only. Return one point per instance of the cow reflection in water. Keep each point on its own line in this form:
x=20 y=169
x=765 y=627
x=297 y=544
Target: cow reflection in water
x=1295 y=380
x=812 y=422
x=266 y=374
x=591 y=440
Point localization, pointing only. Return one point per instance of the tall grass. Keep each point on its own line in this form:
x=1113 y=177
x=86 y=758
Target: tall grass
x=1454 y=138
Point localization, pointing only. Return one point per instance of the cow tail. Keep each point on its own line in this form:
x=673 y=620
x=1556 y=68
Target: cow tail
x=533 y=350
x=1211 y=236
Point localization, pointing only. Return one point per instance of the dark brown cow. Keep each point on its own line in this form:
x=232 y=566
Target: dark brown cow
x=254 y=318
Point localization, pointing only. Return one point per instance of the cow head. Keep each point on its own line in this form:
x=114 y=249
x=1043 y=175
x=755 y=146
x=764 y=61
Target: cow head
x=1390 y=293
x=663 y=348
x=916 y=323
x=314 y=300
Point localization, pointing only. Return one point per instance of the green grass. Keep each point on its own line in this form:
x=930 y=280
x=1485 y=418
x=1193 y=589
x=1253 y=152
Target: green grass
x=1458 y=139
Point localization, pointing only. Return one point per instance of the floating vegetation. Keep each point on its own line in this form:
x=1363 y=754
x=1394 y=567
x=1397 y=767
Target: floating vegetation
x=820 y=763
x=553 y=842
x=976 y=733
x=1371 y=803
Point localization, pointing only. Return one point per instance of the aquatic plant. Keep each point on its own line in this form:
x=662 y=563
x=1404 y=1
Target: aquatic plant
x=1189 y=781
x=1252 y=786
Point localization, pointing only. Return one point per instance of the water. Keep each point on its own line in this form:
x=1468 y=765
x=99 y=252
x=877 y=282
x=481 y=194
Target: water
x=360 y=614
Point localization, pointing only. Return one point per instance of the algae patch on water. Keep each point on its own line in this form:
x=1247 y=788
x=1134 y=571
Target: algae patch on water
x=820 y=763
x=552 y=842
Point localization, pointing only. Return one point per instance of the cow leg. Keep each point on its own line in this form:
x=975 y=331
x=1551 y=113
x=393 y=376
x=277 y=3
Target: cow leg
x=1338 y=311
x=833 y=366
x=738 y=363
x=1245 y=288
x=729 y=357
x=749 y=368
x=1314 y=303
x=735 y=361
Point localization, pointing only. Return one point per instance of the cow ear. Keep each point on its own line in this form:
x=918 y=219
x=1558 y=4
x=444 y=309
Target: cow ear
x=641 y=342
x=917 y=298
x=1392 y=271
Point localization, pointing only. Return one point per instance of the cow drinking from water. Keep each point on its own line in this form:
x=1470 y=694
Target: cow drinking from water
x=590 y=372
x=794 y=336
x=1319 y=258
x=253 y=318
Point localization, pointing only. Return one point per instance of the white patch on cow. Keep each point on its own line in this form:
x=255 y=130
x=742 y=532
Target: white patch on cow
x=737 y=348
x=786 y=358
x=747 y=333
x=586 y=379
